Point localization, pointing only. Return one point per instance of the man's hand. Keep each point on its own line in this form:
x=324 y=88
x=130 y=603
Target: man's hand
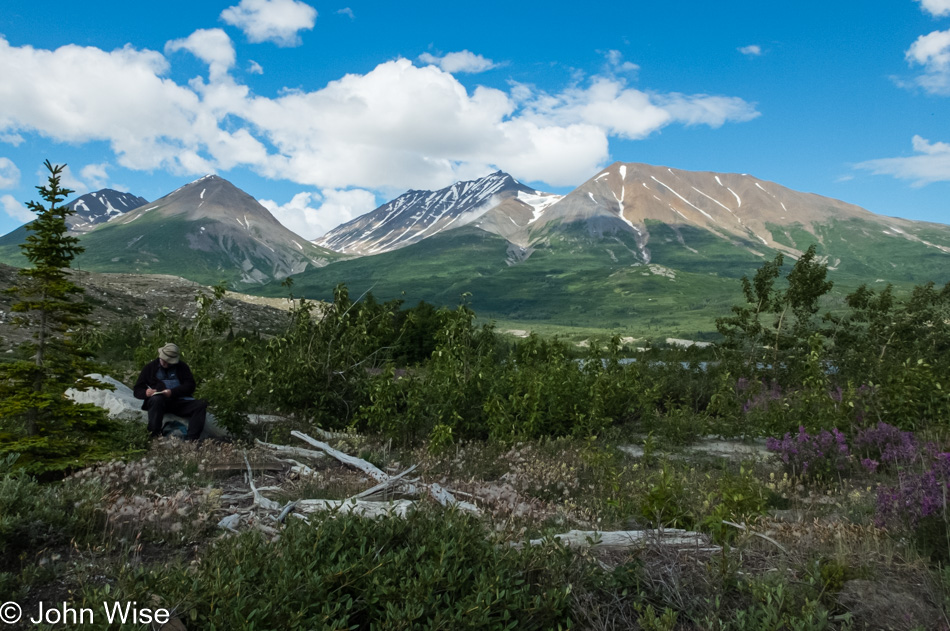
x=151 y=392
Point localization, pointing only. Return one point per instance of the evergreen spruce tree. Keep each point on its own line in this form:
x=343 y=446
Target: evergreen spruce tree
x=37 y=421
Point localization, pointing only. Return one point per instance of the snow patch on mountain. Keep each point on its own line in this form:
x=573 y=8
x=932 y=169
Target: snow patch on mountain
x=539 y=202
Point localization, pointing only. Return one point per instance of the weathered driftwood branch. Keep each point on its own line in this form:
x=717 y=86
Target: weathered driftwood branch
x=326 y=435
x=435 y=491
x=357 y=463
x=622 y=539
x=442 y=496
x=267 y=530
x=300 y=469
x=286 y=511
x=398 y=508
x=230 y=522
x=300 y=452
x=382 y=486
x=259 y=500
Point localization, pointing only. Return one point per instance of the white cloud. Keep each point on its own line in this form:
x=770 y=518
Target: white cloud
x=347 y=11
x=311 y=220
x=254 y=68
x=931 y=164
x=752 y=50
x=15 y=209
x=398 y=126
x=629 y=113
x=936 y=8
x=401 y=126
x=12 y=139
x=932 y=51
x=461 y=61
x=96 y=175
x=212 y=46
x=121 y=97
x=277 y=21
x=617 y=64
x=9 y=173
x=705 y=109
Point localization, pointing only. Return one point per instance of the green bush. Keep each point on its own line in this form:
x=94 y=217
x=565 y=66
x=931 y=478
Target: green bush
x=35 y=515
x=430 y=570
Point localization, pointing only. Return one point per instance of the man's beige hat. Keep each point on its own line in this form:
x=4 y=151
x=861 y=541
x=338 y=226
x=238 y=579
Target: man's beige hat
x=169 y=353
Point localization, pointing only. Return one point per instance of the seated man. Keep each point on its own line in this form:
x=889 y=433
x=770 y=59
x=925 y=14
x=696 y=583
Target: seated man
x=167 y=384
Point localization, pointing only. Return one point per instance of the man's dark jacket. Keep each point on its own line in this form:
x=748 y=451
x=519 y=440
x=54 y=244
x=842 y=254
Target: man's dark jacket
x=148 y=378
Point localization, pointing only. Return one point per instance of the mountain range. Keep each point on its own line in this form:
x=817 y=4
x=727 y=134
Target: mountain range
x=90 y=210
x=207 y=231
x=636 y=245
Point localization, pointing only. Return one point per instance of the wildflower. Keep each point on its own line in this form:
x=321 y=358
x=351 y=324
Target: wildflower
x=887 y=445
x=808 y=455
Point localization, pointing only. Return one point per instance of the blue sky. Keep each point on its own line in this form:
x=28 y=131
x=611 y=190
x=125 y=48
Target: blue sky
x=325 y=110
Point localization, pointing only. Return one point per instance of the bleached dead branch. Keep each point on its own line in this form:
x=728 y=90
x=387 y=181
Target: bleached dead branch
x=293 y=451
x=259 y=500
x=357 y=463
x=624 y=539
x=382 y=486
x=398 y=508
x=435 y=491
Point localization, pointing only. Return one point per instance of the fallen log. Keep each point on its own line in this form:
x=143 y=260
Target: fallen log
x=325 y=435
x=398 y=508
x=230 y=522
x=357 y=463
x=625 y=539
x=300 y=452
x=286 y=511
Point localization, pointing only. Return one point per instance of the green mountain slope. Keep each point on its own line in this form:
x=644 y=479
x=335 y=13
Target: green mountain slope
x=578 y=277
x=574 y=280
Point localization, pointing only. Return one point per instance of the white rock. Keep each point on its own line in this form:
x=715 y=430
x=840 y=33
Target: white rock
x=122 y=404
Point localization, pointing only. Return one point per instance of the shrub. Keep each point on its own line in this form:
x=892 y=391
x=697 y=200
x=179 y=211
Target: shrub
x=668 y=501
x=430 y=570
x=34 y=515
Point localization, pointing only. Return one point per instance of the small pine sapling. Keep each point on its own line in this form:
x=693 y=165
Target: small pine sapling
x=37 y=421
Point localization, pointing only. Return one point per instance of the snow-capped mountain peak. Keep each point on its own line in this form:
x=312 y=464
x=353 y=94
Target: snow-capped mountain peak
x=416 y=215
x=99 y=207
